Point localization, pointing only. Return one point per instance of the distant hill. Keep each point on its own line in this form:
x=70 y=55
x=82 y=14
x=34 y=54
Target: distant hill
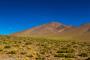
x=56 y=29
x=45 y=29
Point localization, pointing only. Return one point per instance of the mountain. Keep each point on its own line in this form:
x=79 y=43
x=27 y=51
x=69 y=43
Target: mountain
x=45 y=29
x=56 y=29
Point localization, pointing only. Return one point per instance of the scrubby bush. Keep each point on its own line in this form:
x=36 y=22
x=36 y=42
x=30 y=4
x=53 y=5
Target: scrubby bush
x=23 y=53
x=29 y=56
x=11 y=52
x=87 y=59
x=65 y=51
x=83 y=55
x=40 y=58
x=59 y=55
x=7 y=47
x=64 y=55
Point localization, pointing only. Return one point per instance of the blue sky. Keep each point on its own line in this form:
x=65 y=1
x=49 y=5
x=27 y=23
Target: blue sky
x=19 y=15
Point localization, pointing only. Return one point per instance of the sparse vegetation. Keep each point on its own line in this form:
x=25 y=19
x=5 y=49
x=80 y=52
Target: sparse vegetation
x=11 y=52
x=83 y=55
x=43 y=49
x=65 y=50
x=6 y=47
x=64 y=55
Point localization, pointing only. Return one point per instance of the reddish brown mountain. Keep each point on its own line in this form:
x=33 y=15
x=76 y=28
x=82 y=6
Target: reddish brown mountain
x=46 y=29
x=56 y=29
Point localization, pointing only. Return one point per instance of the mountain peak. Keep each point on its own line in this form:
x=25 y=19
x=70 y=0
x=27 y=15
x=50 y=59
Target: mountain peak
x=54 y=24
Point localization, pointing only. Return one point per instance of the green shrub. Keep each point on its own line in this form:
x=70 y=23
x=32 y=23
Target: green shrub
x=7 y=47
x=29 y=56
x=87 y=59
x=59 y=55
x=12 y=52
x=40 y=58
x=23 y=53
x=69 y=56
x=1 y=50
x=65 y=51
x=83 y=55
x=64 y=55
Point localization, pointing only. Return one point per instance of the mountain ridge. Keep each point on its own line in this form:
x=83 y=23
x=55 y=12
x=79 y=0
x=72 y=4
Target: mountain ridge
x=55 y=29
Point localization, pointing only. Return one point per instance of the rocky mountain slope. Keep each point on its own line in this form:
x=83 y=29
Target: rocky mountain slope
x=56 y=29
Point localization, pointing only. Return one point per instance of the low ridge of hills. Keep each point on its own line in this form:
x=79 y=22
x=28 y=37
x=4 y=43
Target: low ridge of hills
x=56 y=29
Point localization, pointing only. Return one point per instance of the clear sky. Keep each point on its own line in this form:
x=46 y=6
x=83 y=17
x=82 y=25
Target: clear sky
x=19 y=15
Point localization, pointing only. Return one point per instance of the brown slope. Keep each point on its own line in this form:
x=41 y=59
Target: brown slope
x=55 y=29
x=83 y=33
x=78 y=30
x=46 y=29
x=80 y=33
